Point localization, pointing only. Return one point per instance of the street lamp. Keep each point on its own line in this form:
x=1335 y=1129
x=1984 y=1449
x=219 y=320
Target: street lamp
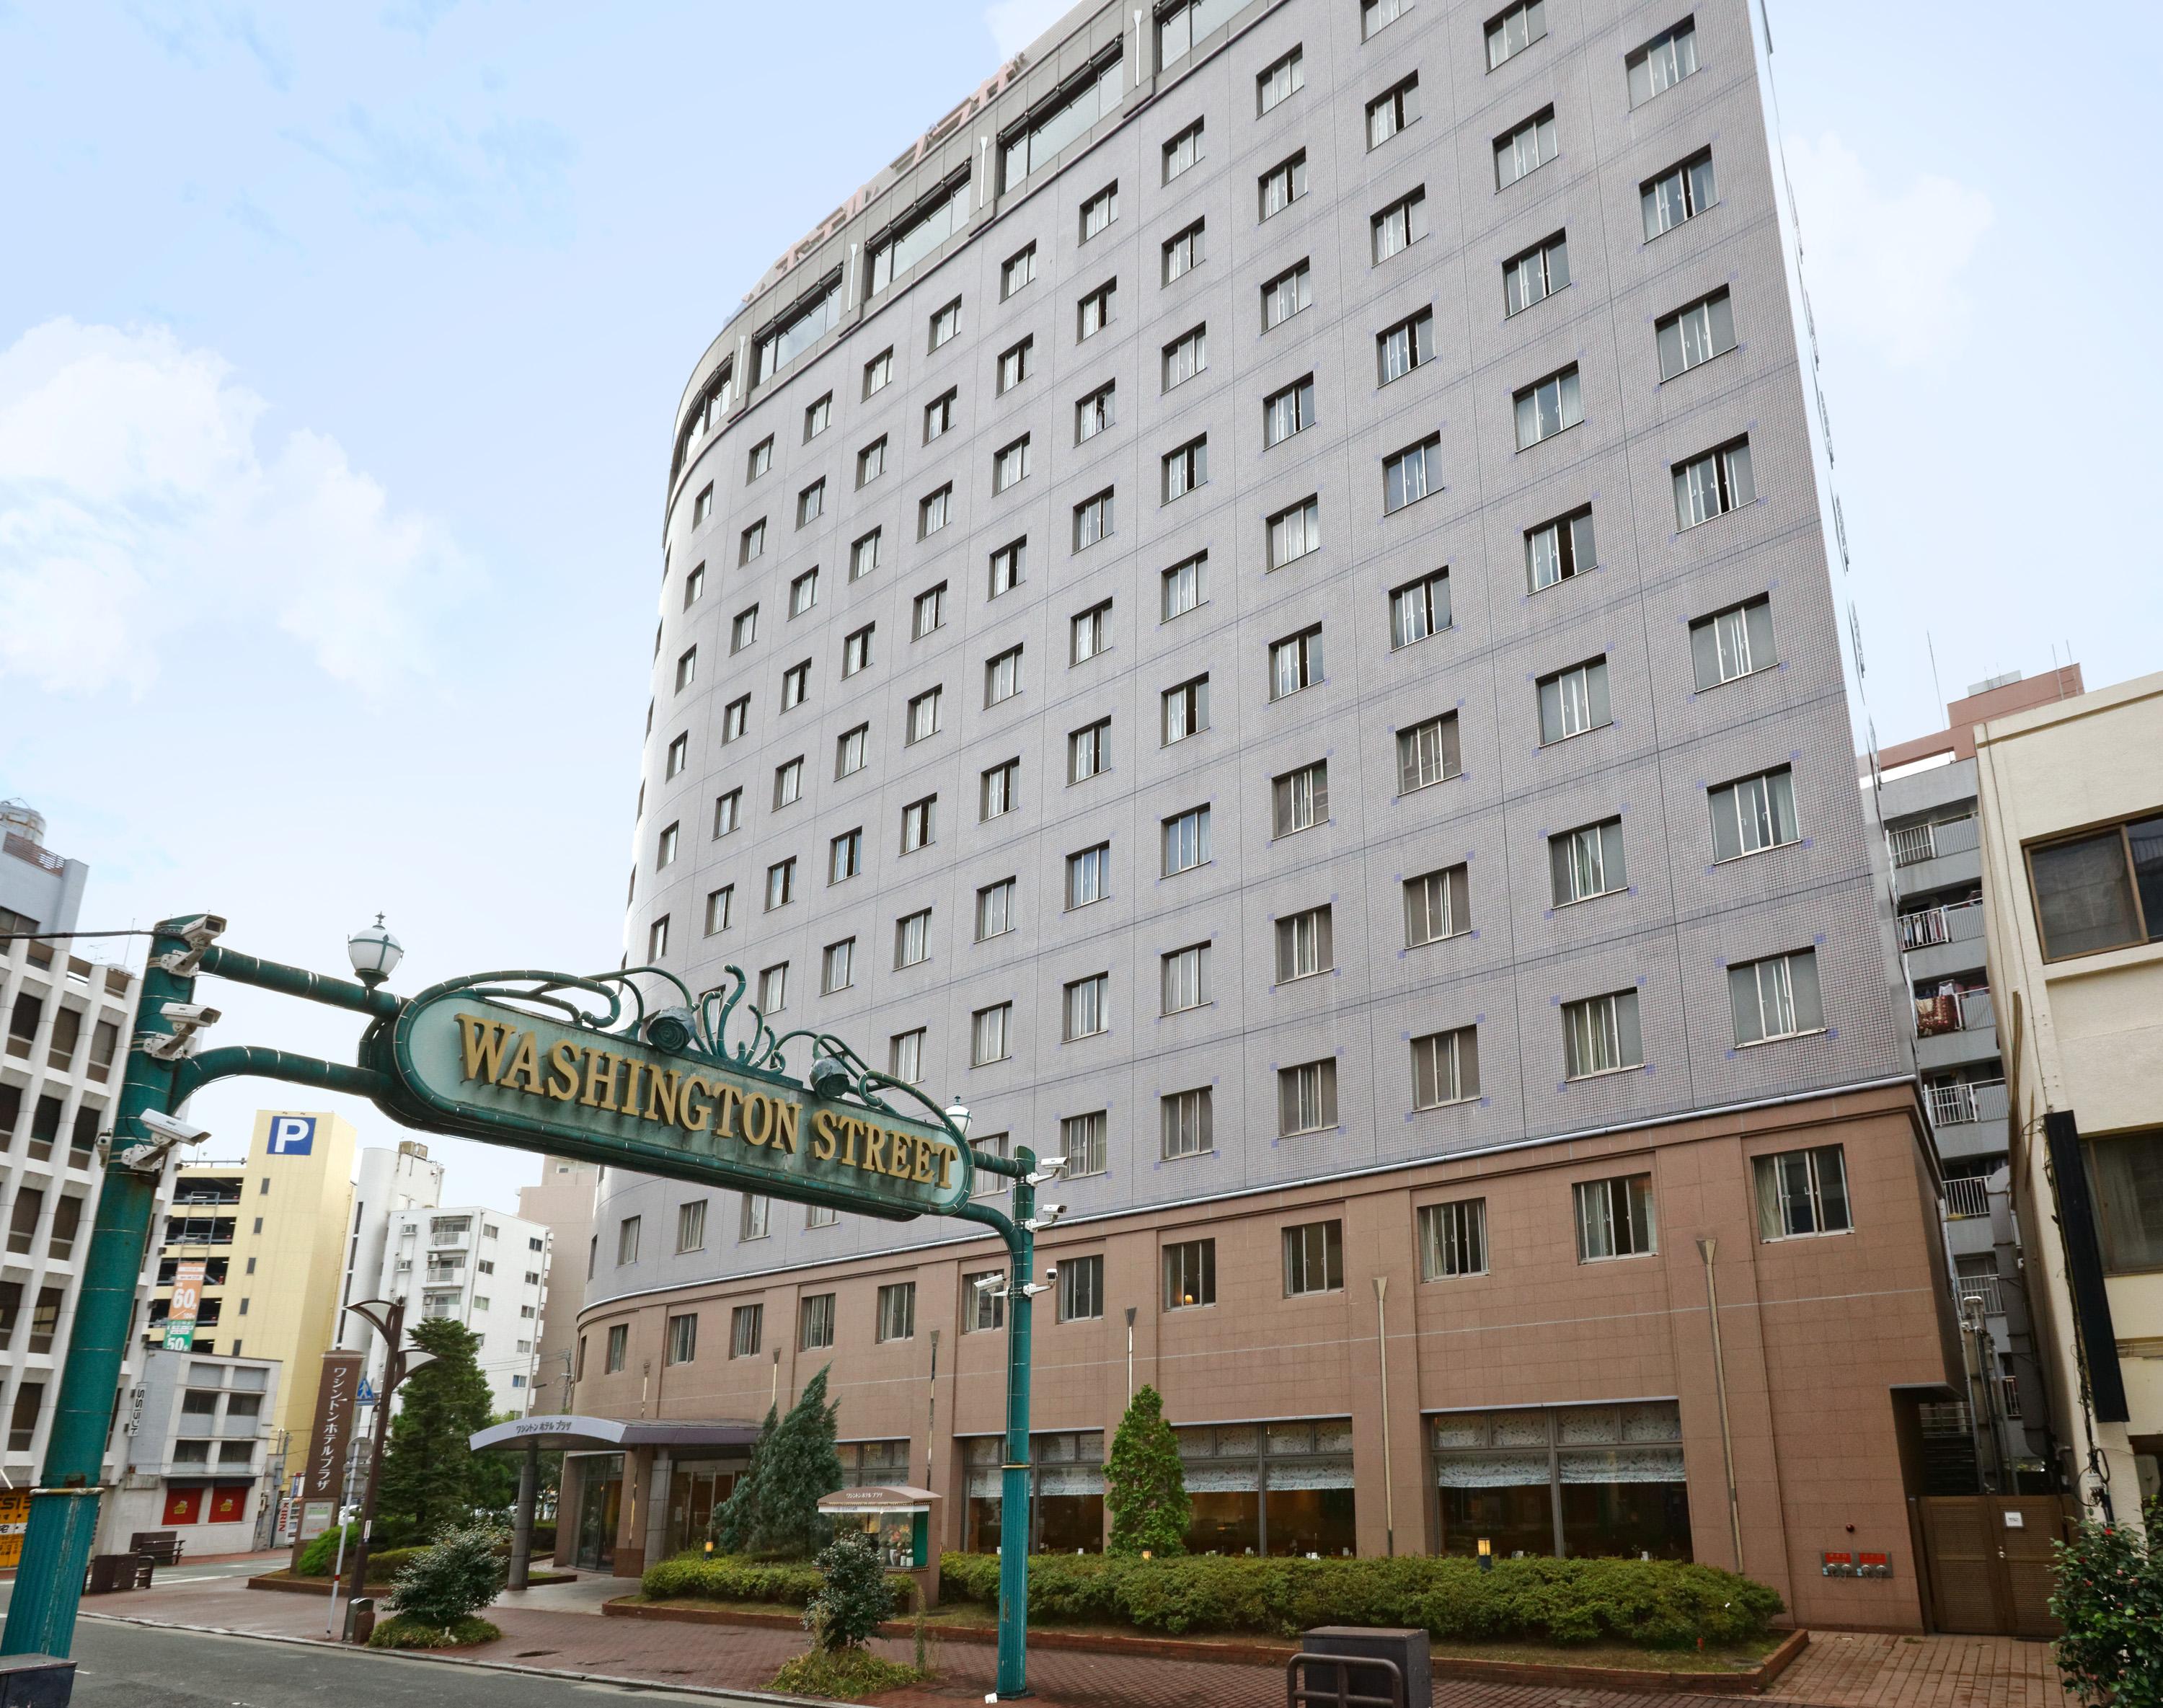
x=387 y=1317
x=375 y=953
x=958 y=1117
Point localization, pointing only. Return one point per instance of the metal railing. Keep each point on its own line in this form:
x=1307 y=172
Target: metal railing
x=2010 y=1386
x=1958 y=1103
x=1338 y=1692
x=1956 y=924
x=1957 y=1011
x=1911 y=844
x=1980 y=1286
x=1967 y=1197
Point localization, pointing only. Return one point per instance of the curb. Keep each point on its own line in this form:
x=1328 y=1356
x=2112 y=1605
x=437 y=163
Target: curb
x=761 y=1699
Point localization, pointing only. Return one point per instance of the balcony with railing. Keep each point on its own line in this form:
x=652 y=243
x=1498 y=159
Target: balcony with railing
x=1956 y=1011
x=1960 y=923
x=1980 y=1286
x=2010 y=1387
x=1967 y=1197
x=1917 y=846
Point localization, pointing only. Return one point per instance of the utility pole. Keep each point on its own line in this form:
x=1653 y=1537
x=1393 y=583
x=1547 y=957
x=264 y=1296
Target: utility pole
x=387 y=1317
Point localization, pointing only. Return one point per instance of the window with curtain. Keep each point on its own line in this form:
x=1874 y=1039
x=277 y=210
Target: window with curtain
x=2126 y=1172
x=1803 y=1192
x=1753 y=813
x=1776 y=997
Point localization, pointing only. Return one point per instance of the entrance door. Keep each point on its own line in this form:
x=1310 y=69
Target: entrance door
x=601 y=1504
x=1989 y=1556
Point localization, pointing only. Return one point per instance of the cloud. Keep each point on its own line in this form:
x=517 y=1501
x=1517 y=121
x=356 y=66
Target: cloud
x=137 y=504
x=1883 y=268
x=1015 y=24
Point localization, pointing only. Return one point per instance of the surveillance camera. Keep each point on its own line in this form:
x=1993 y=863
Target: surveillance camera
x=1033 y=1288
x=1052 y=1273
x=173 y=1130
x=204 y=929
x=188 y=1019
x=992 y=1280
x=1048 y=1211
x=1048 y=1169
x=198 y=933
x=189 y=1014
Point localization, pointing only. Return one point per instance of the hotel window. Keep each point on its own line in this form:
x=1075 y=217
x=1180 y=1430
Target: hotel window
x=682 y=1339
x=1412 y=474
x=1428 y=752
x=742 y=633
x=1304 y=945
x=838 y=967
x=987 y=1185
x=1374 y=14
x=934 y=511
x=752 y=543
x=618 y=1350
x=1190 y=1274
x=856 y=650
x=929 y=612
x=1099 y=210
x=1693 y=336
x=1016 y=364
x=1283 y=79
x=1186 y=841
x=809 y=319
x=796 y=685
x=627 y=1245
x=1514 y=30
x=803 y=592
x=1282 y=184
x=811 y=503
x=1587 y=862
x=1089 y=633
x=815 y=1322
x=1185 y=357
x=1285 y=296
x=1776 y=997
x=1399 y=226
x=1089 y=750
x=1391 y=111
x=1452 y=1240
x=1093 y=312
x=1663 y=62
x=1558 y=550
x=1182 y=253
x=923 y=716
x=1183 y=151
x=687 y=664
x=1680 y=193
x=917 y=826
x=1081 y=1142
x=1292 y=533
x=1405 y=346
x=1753 y=813
x=760 y=460
x=702 y=506
x=788 y=784
x=1288 y=411
x=1714 y=484
x=1445 y=1068
x=691 y=1225
x=1737 y=642
x=780 y=883
x=1092 y=520
x=1615 y=1217
x=1002 y=676
x=1574 y=701
x=1185 y=978
x=1093 y=414
x=1185 y=709
x=1419 y=608
x=983 y=1302
x=1525 y=149
x=1536 y=274
x=897 y=1312
x=919 y=231
x=721 y=904
x=939 y=415
x=1183 y=586
x=818 y=415
x=747 y=1330
x=1307 y=1097
x=1600 y=1034
x=1080 y=1289
x=678 y=755
x=852 y=751
x=1186 y=469
x=945 y=322
x=1006 y=565
x=2103 y=890
x=665 y=850
x=995 y=910
x=1437 y=904
x=845 y=856
x=989 y=1034
x=2125 y=1173
x=1180 y=25
x=1088 y=875
x=1000 y=793
x=694 y=584
x=1088 y=1007
x=1802 y=1192
x=1010 y=465
x=1296 y=662
x=1314 y=1259
x=1018 y=269
x=905 y=1056
x=657 y=949
x=871 y=461
x=1299 y=799
x=1553 y=405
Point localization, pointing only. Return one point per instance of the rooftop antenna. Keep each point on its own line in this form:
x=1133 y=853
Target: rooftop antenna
x=1943 y=710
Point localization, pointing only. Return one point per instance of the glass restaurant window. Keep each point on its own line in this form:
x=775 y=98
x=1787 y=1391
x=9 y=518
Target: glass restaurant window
x=1583 y=1481
x=1280 y=1489
x=1067 y=1492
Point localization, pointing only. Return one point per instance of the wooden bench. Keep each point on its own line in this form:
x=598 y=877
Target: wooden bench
x=163 y=1546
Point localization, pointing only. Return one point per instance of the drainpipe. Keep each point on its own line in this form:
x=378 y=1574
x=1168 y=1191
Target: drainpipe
x=1130 y=1354
x=1389 y=1481
x=1706 y=1249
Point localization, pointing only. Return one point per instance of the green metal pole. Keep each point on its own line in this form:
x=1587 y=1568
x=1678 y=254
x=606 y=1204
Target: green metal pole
x=63 y=1521
x=1014 y=1477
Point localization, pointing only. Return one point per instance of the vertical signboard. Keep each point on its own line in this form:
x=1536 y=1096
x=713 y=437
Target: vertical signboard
x=14 y=1515
x=323 y=1476
x=188 y=1300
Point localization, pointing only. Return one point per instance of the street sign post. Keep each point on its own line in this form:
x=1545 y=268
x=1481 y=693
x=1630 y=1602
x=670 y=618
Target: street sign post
x=697 y=1089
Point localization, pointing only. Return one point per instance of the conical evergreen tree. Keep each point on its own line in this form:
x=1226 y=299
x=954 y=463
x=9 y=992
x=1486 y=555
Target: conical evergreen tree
x=734 y=1526
x=430 y=1477
x=1144 y=1485
x=800 y=1465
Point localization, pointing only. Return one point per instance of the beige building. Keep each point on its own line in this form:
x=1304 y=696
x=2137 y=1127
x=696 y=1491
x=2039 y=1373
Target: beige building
x=563 y=1203
x=2071 y=799
x=271 y=1231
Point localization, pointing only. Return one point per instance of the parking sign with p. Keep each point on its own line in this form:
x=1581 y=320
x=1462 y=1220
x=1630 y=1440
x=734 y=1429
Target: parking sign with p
x=292 y=1135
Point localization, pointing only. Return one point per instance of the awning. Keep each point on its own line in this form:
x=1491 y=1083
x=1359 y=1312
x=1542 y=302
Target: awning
x=571 y=1432
x=895 y=1497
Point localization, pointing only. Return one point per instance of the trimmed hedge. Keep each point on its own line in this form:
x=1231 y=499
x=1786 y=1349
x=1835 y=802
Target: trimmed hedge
x=1650 y=1604
x=723 y=1577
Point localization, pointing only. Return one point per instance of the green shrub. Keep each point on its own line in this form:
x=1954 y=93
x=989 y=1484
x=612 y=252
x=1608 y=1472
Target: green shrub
x=451 y=1582
x=2109 y=1597
x=726 y=1577
x=417 y=1633
x=1649 y=1604
x=848 y=1675
x=383 y=1568
x=854 y=1598
x=319 y=1558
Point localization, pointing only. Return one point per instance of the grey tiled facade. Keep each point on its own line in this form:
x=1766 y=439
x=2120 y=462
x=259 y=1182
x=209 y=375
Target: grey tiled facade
x=1682 y=919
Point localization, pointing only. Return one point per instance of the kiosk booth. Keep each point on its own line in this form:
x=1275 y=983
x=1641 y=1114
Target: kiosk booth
x=898 y=1519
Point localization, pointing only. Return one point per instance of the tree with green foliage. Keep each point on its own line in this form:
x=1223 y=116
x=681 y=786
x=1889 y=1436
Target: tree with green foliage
x=453 y=1579
x=800 y=1464
x=430 y=1475
x=735 y=1521
x=2109 y=1597
x=854 y=1598
x=1145 y=1484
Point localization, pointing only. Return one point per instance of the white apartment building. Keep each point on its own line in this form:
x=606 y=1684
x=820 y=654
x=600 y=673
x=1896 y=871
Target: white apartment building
x=487 y=1270
x=386 y=1183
